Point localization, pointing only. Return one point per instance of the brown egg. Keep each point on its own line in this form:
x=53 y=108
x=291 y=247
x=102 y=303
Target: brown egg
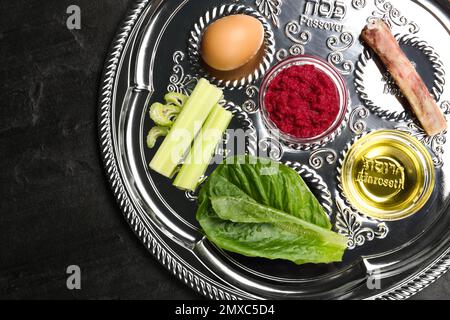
x=231 y=42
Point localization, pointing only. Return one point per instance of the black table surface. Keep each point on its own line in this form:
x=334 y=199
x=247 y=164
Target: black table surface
x=56 y=207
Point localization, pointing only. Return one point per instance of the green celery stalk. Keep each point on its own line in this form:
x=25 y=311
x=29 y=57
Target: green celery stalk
x=203 y=150
x=189 y=122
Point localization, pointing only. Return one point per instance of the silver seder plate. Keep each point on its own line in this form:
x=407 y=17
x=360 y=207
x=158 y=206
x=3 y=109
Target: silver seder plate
x=154 y=52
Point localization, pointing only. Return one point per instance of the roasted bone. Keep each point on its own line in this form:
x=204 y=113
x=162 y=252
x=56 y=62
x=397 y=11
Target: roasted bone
x=378 y=36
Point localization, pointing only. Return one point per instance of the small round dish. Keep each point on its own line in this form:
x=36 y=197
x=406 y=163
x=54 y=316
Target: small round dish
x=255 y=71
x=388 y=175
x=343 y=99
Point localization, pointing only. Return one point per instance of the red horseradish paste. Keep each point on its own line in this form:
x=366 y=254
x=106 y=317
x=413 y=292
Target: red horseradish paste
x=302 y=101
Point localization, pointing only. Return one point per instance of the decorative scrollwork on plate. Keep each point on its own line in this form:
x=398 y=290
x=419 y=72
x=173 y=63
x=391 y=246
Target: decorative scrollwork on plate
x=293 y=32
x=194 y=44
x=383 y=98
x=250 y=106
x=299 y=38
x=179 y=81
x=272 y=147
x=251 y=136
x=359 y=4
x=445 y=106
x=321 y=157
x=281 y=54
x=271 y=9
x=339 y=45
x=316 y=183
x=392 y=16
x=357 y=124
x=434 y=143
x=350 y=224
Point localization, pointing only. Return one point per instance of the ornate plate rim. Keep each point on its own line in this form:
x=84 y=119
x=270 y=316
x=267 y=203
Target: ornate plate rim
x=201 y=283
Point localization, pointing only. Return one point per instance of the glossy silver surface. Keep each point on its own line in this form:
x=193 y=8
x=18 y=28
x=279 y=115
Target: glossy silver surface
x=148 y=57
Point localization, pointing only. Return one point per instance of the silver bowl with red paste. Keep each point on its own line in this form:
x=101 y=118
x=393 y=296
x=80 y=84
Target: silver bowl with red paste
x=304 y=100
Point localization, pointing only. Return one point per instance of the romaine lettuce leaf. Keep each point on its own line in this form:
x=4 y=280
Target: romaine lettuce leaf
x=268 y=183
x=271 y=216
